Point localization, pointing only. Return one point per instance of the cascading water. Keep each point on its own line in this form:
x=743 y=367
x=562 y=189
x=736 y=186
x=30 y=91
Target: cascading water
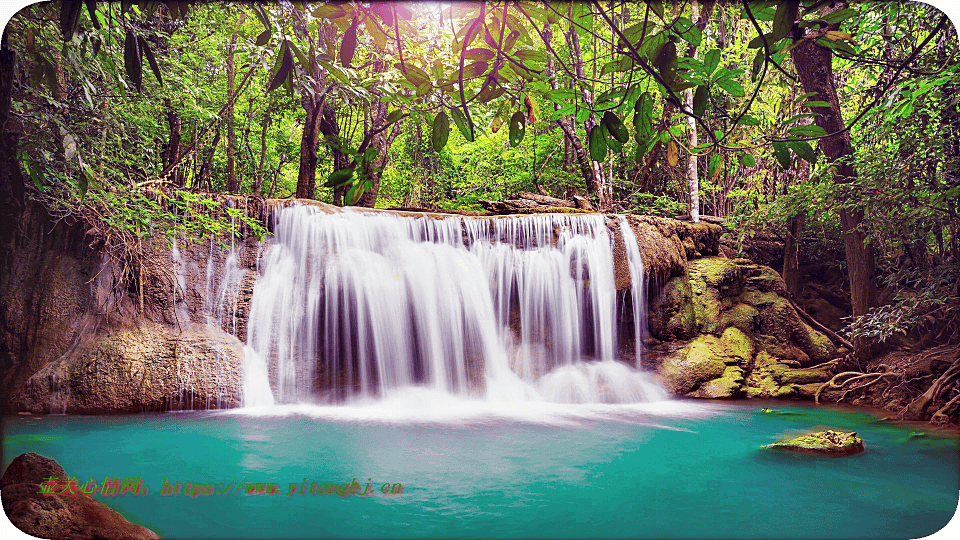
x=353 y=304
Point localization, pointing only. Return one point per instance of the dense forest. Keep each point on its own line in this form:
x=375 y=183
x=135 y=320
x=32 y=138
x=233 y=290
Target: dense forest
x=831 y=130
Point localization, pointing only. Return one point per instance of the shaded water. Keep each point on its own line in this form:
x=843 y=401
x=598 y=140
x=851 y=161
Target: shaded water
x=479 y=469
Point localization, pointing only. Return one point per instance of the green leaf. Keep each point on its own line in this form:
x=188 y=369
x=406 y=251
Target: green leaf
x=666 y=62
x=145 y=49
x=782 y=154
x=811 y=130
x=711 y=61
x=263 y=38
x=394 y=115
x=817 y=104
x=688 y=31
x=92 y=11
x=69 y=18
x=715 y=161
x=131 y=60
x=731 y=87
x=518 y=126
x=615 y=127
x=700 y=100
x=657 y=7
x=839 y=16
x=781 y=24
x=481 y=55
x=349 y=44
x=282 y=68
x=441 y=131
x=757 y=65
x=643 y=120
x=747 y=160
x=803 y=149
x=462 y=124
x=598 y=143
x=748 y=120
x=339 y=178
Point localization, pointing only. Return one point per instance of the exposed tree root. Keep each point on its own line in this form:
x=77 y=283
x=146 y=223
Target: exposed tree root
x=919 y=406
x=842 y=380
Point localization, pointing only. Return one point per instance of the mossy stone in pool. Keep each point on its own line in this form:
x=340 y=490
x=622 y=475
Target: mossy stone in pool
x=828 y=442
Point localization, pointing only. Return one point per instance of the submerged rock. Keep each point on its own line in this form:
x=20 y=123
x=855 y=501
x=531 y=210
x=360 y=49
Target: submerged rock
x=59 y=516
x=823 y=442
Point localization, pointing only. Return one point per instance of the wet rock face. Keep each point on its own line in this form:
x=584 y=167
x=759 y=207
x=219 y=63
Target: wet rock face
x=828 y=442
x=737 y=333
x=149 y=368
x=56 y=516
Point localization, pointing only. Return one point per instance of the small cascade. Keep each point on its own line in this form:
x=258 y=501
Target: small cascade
x=207 y=302
x=638 y=288
x=361 y=304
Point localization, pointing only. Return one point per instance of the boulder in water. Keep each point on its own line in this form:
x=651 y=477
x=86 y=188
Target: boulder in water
x=834 y=443
x=56 y=516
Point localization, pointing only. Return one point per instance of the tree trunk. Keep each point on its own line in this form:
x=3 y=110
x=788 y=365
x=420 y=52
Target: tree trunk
x=12 y=188
x=814 y=66
x=593 y=174
x=258 y=179
x=172 y=154
x=232 y=186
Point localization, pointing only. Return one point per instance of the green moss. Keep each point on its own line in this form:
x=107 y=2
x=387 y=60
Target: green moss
x=764 y=377
x=804 y=376
x=759 y=299
x=716 y=272
x=766 y=279
x=727 y=385
x=693 y=365
x=823 y=442
x=817 y=345
x=740 y=316
x=736 y=345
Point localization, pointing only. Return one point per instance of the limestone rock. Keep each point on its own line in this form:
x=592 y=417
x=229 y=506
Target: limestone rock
x=823 y=442
x=148 y=368
x=728 y=385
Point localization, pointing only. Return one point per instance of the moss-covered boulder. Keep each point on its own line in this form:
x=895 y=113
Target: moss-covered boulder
x=693 y=365
x=834 y=443
x=728 y=385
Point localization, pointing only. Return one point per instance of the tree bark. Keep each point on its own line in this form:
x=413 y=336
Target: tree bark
x=232 y=186
x=814 y=66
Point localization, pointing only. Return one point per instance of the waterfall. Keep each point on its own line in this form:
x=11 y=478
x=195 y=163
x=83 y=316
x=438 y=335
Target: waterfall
x=638 y=287
x=356 y=304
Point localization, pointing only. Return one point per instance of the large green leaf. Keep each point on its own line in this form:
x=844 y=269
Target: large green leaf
x=441 y=131
x=69 y=18
x=463 y=124
x=615 y=127
x=666 y=62
x=145 y=49
x=782 y=154
x=803 y=149
x=731 y=87
x=349 y=44
x=282 y=68
x=810 y=130
x=518 y=126
x=643 y=119
x=598 y=143
x=711 y=60
x=132 y=61
x=339 y=178
x=700 y=100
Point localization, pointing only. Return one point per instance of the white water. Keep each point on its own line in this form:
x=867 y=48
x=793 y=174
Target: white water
x=357 y=306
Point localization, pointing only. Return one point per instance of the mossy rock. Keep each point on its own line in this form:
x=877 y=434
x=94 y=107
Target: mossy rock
x=804 y=376
x=764 y=378
x=728 y=385
x=672 y=314
x=737 y=347
x=816 y=344
x=742 y=316
x=765 y=279
x=759 y=299
x=716 y=272
x=700 y=361
x=809 y=390
x=835 y=443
